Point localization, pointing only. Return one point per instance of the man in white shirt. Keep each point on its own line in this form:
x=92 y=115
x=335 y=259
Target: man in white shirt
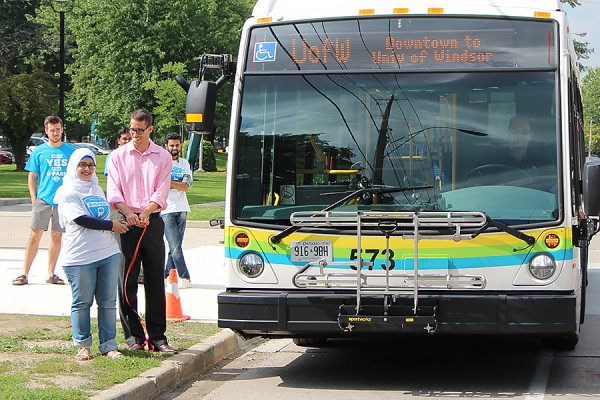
x=175 y=214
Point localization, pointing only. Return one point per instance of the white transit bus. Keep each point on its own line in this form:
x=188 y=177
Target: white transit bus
x=410 y=168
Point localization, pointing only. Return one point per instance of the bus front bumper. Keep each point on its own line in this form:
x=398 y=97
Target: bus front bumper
x=314 y=313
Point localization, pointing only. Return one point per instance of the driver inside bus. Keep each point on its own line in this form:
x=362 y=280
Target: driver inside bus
x=520 y=133
x=515 y=160
x=517 y=151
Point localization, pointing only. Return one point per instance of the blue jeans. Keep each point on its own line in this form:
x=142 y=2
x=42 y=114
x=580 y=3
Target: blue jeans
x=174 y=230
x=98 y=279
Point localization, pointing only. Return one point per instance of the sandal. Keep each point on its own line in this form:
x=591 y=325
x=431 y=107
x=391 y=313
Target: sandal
x=83 y=354
x=20 y=280
x=55 y=280
x=113 y=354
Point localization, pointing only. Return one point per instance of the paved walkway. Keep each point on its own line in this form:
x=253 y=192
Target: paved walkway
x=203 y=250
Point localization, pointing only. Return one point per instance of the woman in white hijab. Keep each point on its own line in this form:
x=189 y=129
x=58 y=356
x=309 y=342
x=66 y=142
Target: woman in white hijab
x=90 y=254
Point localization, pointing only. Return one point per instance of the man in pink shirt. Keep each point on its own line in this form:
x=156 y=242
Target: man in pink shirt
x=139 y=174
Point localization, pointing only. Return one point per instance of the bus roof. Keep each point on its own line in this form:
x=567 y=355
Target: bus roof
x=291 y=10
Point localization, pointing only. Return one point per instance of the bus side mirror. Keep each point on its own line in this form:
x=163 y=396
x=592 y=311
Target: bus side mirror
x=200 y=107
x=220 y=222
x=591 y=188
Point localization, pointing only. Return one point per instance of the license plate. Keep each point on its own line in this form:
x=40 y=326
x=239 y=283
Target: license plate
x=307 y=250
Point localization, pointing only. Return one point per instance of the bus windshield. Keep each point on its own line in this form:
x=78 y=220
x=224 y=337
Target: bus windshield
x=484 y=141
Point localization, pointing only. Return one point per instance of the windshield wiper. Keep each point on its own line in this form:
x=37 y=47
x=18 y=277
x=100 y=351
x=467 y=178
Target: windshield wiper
x=530 y=240
x=380 y=190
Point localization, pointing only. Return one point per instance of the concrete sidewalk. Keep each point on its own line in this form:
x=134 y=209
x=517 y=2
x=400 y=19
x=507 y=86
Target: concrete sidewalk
x=204 y=253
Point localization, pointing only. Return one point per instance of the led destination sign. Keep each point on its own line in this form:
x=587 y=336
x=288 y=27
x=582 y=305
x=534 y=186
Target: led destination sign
x=417 y=43
x=414 y=51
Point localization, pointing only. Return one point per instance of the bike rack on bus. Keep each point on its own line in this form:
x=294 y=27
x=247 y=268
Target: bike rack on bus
x=388 y=283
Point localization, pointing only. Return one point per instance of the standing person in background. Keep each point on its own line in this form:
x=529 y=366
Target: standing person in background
x=91 y=256
x=138 y=187
x=175 y=215
x=47 y=165
x=123 y=137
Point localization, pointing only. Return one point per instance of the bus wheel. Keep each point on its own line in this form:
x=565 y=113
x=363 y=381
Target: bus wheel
x=584 y=283
x=310 y=342
x=565 y=342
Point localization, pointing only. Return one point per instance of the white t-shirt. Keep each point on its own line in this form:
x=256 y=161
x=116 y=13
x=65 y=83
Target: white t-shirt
x=177 y=200
x=81 y=246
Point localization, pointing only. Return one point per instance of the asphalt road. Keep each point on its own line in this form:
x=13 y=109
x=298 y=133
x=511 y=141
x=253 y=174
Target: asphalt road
x=408 y=368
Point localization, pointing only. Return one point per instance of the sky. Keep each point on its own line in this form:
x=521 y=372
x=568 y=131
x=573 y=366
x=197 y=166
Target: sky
x=584 y=18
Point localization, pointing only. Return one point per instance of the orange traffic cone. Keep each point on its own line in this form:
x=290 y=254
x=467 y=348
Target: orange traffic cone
x=174 y=312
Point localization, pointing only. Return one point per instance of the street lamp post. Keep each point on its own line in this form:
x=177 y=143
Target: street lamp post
x=61 y=90
x=590 y=140
x=61 y=101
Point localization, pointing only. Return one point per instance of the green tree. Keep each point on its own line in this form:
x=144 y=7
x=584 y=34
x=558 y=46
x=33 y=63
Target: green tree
x=581 y=48
x=591 y=100
x=170 y=97
x=23 y=105
x=209 y=164
x=20 y=37
x=25 y=91
x=125 y=51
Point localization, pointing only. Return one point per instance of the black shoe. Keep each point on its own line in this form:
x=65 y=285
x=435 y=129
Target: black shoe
x=137 y=347
x=165 y=348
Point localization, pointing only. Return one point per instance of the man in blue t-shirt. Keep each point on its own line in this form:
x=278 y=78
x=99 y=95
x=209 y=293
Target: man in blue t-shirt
x=47 y=165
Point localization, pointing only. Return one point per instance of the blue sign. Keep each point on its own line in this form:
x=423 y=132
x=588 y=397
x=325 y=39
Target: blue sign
x=97 y=206
x=177 y=174
x=264 y=52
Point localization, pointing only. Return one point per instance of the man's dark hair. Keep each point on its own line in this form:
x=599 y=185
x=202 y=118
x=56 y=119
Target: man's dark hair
x=53 y=119
x=122 y=131
x=173 y=136
x=142 y=115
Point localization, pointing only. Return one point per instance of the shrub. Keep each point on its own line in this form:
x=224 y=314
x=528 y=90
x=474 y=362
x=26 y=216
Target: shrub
x=209 y=163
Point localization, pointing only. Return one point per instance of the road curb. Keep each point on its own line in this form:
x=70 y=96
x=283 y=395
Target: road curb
x=14 y=202
x=198 y=224
x=177 y=369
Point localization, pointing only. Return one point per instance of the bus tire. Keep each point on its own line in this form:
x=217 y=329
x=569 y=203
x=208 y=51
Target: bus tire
x=565 y=342
x=310 y=342
x=583 y=296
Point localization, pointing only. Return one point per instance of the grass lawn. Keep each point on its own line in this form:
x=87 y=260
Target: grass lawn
x=36 y=358
x=208 y=187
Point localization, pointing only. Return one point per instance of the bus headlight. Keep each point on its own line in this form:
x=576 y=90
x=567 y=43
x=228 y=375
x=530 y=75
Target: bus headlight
x=542 y=266
x=251 y=265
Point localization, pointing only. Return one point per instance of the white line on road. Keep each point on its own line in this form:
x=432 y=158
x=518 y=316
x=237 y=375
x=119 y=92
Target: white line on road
x=537 y=388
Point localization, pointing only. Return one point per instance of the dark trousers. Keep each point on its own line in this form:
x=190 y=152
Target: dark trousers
x=151 y=256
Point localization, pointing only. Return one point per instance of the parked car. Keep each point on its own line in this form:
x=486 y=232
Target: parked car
x=594 y=159
x=33 y=142
x=6 y=157
x=93 y=147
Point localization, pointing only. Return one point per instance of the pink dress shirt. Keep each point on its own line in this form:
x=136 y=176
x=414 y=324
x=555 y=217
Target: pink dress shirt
x=137 y=179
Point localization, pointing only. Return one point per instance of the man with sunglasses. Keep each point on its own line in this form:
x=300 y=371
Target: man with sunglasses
x=139 y=175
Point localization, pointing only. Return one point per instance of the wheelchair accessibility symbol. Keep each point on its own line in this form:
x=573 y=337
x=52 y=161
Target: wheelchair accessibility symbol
x=264 y=52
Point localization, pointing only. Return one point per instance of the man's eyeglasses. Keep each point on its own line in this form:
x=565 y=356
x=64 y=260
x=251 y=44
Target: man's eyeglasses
x=139 y=131
x=520 y=132
x=84 y=165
